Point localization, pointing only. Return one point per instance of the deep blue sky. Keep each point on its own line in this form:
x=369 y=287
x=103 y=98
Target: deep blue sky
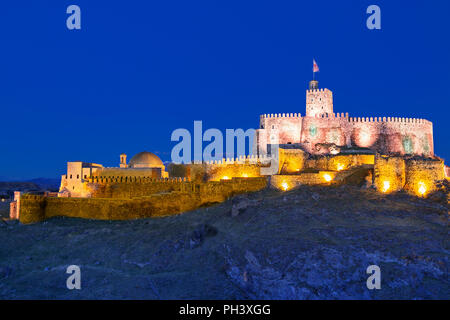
x=137 y=70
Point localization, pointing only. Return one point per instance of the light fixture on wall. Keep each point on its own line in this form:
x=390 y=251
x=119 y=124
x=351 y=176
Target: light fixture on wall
x=422 y=188
x=386 y=186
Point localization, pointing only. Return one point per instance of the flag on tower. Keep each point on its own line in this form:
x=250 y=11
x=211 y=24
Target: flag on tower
x=315 y=66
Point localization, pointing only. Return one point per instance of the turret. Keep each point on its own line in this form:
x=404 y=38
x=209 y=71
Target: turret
x=318 y=101
x=123 y=160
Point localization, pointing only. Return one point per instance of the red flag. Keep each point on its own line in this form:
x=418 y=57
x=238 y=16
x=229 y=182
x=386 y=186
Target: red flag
x=315 y=66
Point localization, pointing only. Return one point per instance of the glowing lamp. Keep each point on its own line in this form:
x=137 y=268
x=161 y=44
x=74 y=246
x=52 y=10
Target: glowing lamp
x=225 y=178
x=327 y=177
x=386 y=186
x=422 y=188
x=285 y=186
x=245 y=175
x=340 y=167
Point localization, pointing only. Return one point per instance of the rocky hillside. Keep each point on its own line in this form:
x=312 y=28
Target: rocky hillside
x=310 y=243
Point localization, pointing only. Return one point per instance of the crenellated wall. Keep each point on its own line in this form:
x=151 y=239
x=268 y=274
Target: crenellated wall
x=387 y=135
x=38 y=208
x=402 y=136
x=325 y=129
x=322 y=131
x=278 y=129
x=129 y=187
x=248 y=166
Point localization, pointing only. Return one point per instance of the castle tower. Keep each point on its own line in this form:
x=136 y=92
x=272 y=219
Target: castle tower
x=123 y=160
x=318 y=101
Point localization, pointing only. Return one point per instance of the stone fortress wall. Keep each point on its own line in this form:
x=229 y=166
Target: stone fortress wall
x=386 y=135
x=144 y=201
x=415 y=175
x=321 y=128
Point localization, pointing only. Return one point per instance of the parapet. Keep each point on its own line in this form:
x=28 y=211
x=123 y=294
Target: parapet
x=332 y=115
x=317 y=90
x=388 y=119
x=251 y=159
x=133 y=179
x=280 y=115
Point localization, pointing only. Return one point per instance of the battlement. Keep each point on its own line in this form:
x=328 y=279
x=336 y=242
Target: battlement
x=280 y=115
x=332 y=115
x=133 y=179
x=317 y=90
x=251 y=159
x=388 y=119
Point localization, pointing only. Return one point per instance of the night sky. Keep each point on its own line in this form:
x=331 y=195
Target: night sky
x=137 y=70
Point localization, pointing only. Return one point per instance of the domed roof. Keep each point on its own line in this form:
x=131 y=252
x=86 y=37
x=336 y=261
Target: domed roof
x=145 y=160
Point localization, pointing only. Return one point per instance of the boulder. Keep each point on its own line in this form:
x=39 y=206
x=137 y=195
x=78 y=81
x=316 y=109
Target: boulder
x=239 y=205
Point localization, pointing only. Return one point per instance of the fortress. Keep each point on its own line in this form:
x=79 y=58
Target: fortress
x=321 y=131
x=142 y=165
x=321 y=148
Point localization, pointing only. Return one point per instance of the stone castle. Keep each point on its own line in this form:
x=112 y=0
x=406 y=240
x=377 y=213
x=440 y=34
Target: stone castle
x=321 y=131
x=320 y=148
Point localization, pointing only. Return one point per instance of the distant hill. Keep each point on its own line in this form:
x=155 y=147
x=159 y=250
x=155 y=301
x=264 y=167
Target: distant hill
x=38 y=184
x=8 y=188
x=49 y=184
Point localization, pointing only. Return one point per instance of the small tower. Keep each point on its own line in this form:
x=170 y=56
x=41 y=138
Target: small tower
x=313 y=85
x=123 y=160
x=318 y=101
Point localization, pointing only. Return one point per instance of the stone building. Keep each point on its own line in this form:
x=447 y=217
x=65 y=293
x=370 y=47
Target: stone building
x=144 y=164
x=321 y=131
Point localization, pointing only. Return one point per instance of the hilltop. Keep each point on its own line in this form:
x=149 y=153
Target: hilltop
x=308 y=243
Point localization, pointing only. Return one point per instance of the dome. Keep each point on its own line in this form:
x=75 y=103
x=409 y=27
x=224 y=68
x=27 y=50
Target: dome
x=145 y=160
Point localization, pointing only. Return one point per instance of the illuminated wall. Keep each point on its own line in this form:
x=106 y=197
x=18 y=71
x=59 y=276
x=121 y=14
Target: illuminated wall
x=421 y=175
x=38 y=208
x=389 y=173
x=321 y=130
x=417 y=176
x=291 y=160
x=289 y=182
x=339 y=162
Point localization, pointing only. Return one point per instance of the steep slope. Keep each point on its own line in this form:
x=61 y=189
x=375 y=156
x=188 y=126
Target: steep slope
x=310 y=243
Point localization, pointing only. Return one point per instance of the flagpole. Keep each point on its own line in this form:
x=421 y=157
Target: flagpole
x=313 y=70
